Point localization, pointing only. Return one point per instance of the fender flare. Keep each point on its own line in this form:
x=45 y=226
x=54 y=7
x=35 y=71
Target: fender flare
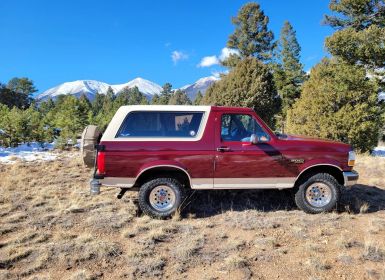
x=165 y=164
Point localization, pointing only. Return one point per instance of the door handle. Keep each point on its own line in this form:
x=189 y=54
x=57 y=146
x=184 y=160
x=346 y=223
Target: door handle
x=223 y=149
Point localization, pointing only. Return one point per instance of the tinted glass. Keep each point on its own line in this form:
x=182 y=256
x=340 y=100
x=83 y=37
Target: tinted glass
x=236 y=127
x=161 y=124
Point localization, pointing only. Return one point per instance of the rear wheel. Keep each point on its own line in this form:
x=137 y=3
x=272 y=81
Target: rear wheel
x=319 y=193
x=161 y=197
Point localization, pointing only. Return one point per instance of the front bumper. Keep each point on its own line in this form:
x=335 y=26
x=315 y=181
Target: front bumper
x=350 y=178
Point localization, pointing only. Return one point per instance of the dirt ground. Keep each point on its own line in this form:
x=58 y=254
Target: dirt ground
x=51 y=228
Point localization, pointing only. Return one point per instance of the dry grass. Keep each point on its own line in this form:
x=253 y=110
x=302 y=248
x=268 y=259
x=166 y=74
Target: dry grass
x=51 y=228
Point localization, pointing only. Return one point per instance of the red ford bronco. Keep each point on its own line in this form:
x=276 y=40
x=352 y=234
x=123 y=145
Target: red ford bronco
x=163 y=150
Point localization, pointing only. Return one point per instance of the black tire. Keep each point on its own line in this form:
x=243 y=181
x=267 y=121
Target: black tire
x=144 y=197
x=335 y=191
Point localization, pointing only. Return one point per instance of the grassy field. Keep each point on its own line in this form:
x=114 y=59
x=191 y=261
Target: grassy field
x=51 y=228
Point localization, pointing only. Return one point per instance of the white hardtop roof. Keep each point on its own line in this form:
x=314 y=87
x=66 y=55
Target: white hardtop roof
x=164 y=108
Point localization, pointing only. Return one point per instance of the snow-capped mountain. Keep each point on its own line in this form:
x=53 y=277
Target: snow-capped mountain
x=87 y=87
x=146 y=87
x=90 y=87
x=201 y=85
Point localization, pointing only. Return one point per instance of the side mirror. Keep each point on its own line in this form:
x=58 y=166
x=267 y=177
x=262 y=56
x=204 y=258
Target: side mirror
x=253 y=139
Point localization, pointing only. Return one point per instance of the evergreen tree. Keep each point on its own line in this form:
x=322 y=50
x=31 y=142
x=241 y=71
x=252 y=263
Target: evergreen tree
x=46 y=106
x=165 y=95
x=84 y=110
x=8 y=97
x=130 y=96
x=338 y=102
x=107 y=111
x=249 y=84
x=97 y=104
x=288 y=71
x=155 y=99
x=22 y=88
x=35 y=126
x=4 y=124
x=198 y=98
x=251 y=36
x=179 y=98
x=360 y=35
x=68 y=118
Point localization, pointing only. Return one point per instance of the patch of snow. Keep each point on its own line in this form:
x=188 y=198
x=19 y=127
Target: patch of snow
x=28 y=152
x=379 y=151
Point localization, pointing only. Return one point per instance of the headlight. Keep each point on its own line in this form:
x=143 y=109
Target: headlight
x=351 y=158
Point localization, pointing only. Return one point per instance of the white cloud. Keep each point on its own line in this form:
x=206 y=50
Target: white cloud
x=226 y=52
x=208 y=61
x=178 y=55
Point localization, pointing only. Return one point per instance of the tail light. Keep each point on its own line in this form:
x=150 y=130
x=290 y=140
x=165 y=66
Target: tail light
x=101 y=162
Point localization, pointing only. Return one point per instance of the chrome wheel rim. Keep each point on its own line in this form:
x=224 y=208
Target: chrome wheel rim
x=162 y=198
x=318 y=194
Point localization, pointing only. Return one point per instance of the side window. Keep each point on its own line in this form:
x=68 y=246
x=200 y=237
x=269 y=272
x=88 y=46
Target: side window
x=161 y=124
x=237 y=127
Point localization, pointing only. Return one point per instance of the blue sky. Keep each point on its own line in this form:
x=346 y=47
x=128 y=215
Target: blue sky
x=113 y=41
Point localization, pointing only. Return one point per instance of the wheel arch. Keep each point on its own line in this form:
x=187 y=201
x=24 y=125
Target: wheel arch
x=166 y=170
x=331 y=169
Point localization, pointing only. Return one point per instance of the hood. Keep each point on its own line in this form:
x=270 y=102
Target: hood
x=296 y=139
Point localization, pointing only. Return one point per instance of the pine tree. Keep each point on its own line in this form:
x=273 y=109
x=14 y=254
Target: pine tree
x=107 y=111
x=155 y=99
x=8 y=97
x=249 y=84
x=198 y=98
x=68 y=118
x=360 y=35
x=35 y=126
x=251 y=36
x=338 y=102
x=46 y=106
x=22 y=89
x=84 y=110
x=288 y=70
x=165 y=95
x=4 y=123
x=179 y=98
x=97 y=103
x=130 y=96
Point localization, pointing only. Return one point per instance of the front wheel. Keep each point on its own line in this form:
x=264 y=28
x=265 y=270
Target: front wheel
x=161 y=197
x=319 y=193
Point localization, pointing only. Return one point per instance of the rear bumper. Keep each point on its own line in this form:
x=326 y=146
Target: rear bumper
x=350 y=178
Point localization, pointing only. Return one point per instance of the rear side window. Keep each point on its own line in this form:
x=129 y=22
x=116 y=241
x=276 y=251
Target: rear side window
x=161 y=124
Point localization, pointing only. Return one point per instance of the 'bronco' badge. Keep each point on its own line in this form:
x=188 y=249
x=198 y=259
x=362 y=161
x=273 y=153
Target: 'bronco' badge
x=297 y=160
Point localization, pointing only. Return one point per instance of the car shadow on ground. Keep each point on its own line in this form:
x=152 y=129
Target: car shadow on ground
x=354 y=199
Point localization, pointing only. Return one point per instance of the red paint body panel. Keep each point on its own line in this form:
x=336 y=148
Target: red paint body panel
x=198 y=158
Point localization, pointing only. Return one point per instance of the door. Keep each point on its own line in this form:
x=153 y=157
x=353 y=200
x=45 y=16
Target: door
x=240 y=164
